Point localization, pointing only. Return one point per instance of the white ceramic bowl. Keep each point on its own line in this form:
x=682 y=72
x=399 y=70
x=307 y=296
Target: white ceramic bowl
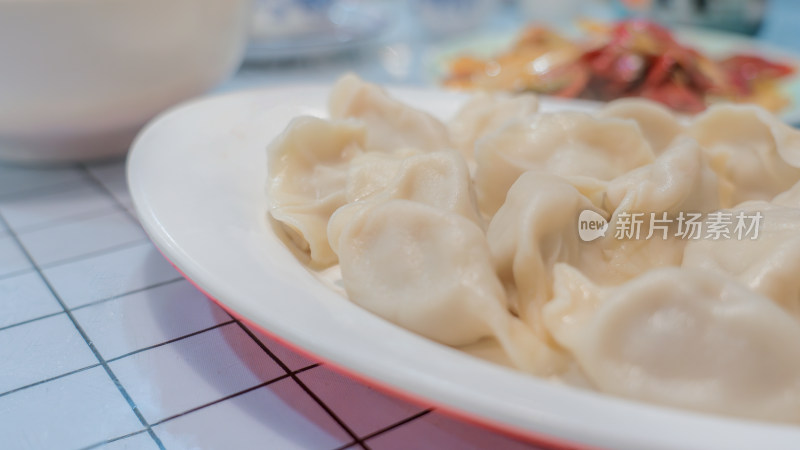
x=79 y=78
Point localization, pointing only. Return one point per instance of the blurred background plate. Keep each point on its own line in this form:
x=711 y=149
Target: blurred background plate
x=344 y=26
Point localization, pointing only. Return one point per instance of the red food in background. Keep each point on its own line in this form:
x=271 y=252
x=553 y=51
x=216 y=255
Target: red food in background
x=636 y=58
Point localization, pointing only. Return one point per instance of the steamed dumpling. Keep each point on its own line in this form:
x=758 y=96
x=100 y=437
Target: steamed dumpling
x=429 y=271
x=536 y=227
x=570 y=144
x=768 y=264
x=486 y=112
x=390 y=123
x=790 y=198
x=658 y=124
x=749 y=148
x=372 y=173
x=438 y=179
x=308 y=166
x=679 y=180
x=692 y=339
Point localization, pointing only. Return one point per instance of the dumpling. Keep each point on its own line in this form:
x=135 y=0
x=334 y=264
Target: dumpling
x=658 y=124
x=536 y=227
x=372 y=173
x=429 y=271
x=660 y=195
x=438 y=179
x=307 y=167
x=750 y=148
x=486 y=112
x=570 y=144
x=679 y=180
x=790 y=198
x=762 y=251
x=691 y=339
x=390 y=124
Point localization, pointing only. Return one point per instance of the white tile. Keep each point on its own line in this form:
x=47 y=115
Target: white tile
x=40 y=350
x=188 y=373
x=361 y=407
x=81 y=237
x=112 y=176
x=141 y=441
x=292 y=359
x=110 y=274
x=435 y=431
x=280 y=415
x=49 y=207
x=15 y=180
x=71 y=412
x=24 y=297
x=12 y=259
x=148 y=318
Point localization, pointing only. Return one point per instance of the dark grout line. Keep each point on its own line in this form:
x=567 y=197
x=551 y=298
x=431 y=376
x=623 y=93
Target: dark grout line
x=40 y=191
x=15 y=273
x=236 y=394
x=249 y=333
x=398 y=424
x=25 y=322
x=302 y=385
x=72 y=372
x=161 y=344
x=308 y=367
x=220 y=400
x=116 y=358
x=118 y=438
x=94 y=254
x=96 y=181
x=74 y=218
x=85 y=337
x=125 y=294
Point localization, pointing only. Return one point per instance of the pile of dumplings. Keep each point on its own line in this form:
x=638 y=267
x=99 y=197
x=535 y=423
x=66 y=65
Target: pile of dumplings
x=467 y=230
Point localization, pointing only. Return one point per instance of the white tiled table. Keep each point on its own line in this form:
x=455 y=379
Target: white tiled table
x=104 y=345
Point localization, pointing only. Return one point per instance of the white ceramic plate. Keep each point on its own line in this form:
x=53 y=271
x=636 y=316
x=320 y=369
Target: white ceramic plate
x=197 y=176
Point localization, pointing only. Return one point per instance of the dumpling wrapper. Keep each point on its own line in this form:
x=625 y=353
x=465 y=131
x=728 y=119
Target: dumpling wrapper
x=679 y=180
x=749 y=148
x=571 y=144
x=691 y=339
x=437 y=179
x=790 y=198
x=678 y=183
x=769 y=264
x=658 y=124
x=390 y=124
x=485 y=113
x=536 y=227
x=429 y=271
x=307 y=167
